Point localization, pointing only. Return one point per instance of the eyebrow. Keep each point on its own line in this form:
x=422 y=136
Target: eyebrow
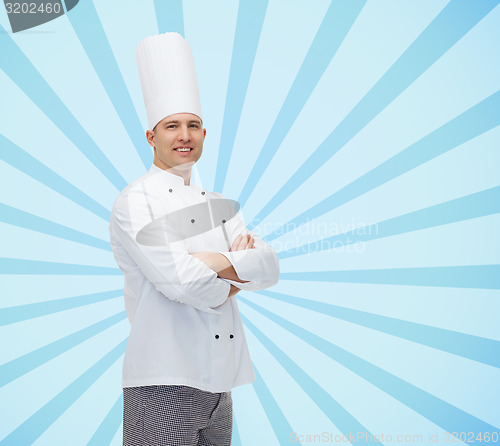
x=177 y=122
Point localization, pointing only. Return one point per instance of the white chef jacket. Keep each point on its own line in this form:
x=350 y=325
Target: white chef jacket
x=184 y=329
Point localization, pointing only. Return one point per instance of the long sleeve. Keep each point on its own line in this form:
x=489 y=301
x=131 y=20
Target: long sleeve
x=259 y=266
x=167 y=265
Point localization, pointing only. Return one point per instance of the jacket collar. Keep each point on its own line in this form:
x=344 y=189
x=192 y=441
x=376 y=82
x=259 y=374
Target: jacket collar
x=169 y=177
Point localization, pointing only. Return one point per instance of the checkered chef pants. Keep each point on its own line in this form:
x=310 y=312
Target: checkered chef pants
x=175 y=416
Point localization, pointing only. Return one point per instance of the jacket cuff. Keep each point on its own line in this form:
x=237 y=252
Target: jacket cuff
x=211 y=307
x=244 y=263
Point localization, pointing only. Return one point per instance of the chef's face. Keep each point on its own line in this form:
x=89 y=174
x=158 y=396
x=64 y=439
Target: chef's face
x=178 y=141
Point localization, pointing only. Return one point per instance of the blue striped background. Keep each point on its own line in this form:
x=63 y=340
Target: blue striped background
x=362 y=138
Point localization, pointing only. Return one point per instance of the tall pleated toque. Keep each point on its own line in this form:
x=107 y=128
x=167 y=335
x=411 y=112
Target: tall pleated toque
x=168 y=77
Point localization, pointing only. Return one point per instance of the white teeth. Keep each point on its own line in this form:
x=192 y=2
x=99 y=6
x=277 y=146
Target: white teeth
x=183 y=149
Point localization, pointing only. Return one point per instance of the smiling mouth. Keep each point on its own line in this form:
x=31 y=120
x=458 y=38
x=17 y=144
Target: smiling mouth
x=183 y=149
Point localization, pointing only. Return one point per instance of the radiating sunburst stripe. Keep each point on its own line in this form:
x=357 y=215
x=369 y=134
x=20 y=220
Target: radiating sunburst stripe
x=479 y=204
x=109 y=426
x=90 y=32
x=453 y=22
x=484 y=350
x=169 y=16
x=337 y=414
x=441 y=413
x=18 y=313
x=277 y=419
x=463 y=276
x=22 y=72
x=236 y=440
x=23 y=364
x=40 y=421
x=336 y=24
x=249 y=23
x=477 y=120
x=40 y=267
x=26 y=163
x=22 y=219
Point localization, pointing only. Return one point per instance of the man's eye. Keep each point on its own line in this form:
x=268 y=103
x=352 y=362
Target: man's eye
x=172 y=126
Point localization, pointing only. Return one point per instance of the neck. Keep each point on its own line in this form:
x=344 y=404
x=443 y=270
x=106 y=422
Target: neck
x=181 y=171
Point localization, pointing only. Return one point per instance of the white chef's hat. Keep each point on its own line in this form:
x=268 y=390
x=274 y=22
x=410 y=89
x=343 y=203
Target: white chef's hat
x=168 y=77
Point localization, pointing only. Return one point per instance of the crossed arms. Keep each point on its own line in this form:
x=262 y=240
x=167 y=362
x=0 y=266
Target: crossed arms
x=203 y=280
x=222 y=266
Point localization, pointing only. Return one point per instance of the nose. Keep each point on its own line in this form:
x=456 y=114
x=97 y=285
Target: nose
x=184 y=134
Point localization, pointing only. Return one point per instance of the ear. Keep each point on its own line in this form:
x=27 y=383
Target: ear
x=204 y=133
x=150 y=137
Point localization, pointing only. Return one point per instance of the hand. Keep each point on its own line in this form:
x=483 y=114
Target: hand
x=243 y=242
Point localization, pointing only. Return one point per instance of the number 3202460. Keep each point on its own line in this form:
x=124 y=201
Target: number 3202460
x=33 y=8
x=471 y=437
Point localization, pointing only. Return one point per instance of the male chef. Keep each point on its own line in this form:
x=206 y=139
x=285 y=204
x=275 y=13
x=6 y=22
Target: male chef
x=184 y=253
